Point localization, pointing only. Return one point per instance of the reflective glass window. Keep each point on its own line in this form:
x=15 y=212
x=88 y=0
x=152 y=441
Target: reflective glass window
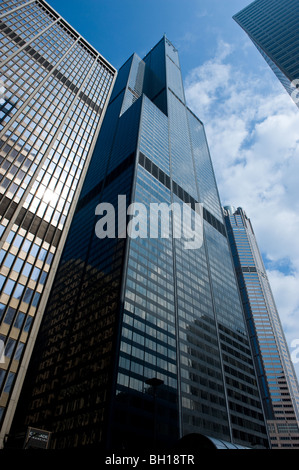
x=9 y=315
x=9 y=347
x=9 y=382
x=19 y=320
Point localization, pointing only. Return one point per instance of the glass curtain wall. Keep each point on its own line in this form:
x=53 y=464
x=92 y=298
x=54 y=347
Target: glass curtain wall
x=54 y=91
x=157 y=346
x=272 y=26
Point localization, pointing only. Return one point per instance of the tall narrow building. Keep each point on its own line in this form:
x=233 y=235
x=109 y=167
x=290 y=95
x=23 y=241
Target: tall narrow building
x=277 y=378
x=144 y=339
x=273 y=26
x=54 y=90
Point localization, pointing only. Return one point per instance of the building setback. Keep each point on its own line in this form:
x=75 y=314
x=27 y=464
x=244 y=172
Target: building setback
x=54 y=90
x=144 y=341
x=277 y=378
x=273 y=26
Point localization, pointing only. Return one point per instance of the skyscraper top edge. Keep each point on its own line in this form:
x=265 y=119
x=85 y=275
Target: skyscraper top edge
x=232 y=210
x=74 y=31
x=193 y=114
x=243 y=9
x=165 y=39
x=134 y=54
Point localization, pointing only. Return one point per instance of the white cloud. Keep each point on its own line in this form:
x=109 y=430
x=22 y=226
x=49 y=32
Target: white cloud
x=252 y=130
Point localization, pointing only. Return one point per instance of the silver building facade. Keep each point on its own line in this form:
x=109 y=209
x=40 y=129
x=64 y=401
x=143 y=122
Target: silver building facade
x=54 y=90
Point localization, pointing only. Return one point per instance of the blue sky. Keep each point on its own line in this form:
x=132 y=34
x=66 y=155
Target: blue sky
x=251 y=123
x=117 y=28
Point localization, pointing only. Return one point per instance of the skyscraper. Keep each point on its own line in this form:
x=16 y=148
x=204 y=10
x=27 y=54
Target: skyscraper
x=144 y=340
x=54 y=89
x=278 y=382
x=273 y=27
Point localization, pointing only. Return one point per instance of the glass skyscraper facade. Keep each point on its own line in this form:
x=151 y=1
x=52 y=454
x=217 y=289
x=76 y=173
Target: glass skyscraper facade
x=54 y=88
x=144 y=341
x=273 y=27
x=277 y=378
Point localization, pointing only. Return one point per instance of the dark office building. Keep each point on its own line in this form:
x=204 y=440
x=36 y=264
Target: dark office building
x=54 y=91
x=278 y=381
x=273 y=26
x=144 y=340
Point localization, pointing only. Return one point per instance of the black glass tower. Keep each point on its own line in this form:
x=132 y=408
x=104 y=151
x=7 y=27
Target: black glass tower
x=144 y=340
x=273 y=26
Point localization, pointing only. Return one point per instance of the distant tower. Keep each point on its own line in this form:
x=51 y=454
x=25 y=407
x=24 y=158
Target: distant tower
x=277 y=378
